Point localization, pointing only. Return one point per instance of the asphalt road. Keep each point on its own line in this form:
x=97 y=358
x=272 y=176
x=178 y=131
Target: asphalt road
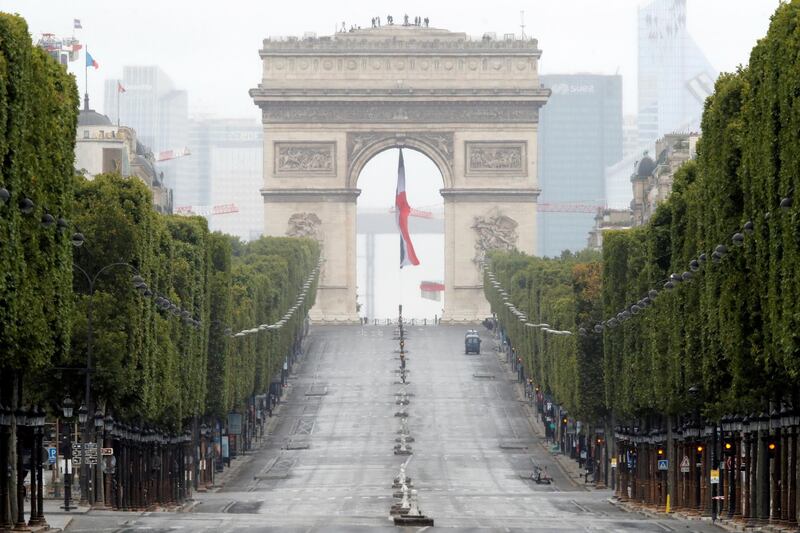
x=330 y=461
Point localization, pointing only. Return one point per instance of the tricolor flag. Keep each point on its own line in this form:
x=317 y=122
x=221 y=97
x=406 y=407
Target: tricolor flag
x=402 y=209
x=120 y=88
x=90 y=62
x=76 y=23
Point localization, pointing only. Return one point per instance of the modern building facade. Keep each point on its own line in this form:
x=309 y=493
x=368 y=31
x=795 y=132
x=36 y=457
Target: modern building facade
x=580 y=134
x=158 y=112
x=674 y=76
x=227 y=171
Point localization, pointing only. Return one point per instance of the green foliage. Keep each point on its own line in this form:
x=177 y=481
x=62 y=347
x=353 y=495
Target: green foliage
x=151 y=365
x=732 y=332
x=38 y=114
x=564 y=293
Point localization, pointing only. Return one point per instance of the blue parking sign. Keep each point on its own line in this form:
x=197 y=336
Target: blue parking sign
x=51 y=456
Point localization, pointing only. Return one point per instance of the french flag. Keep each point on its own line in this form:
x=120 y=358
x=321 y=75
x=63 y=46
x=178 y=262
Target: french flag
x=402 y=210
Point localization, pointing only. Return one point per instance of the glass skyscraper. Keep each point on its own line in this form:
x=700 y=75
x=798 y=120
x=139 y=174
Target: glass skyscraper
x=580 y=134
x=674 y=75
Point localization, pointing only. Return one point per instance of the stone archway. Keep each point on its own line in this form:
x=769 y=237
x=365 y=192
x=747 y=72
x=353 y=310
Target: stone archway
x=330 y=104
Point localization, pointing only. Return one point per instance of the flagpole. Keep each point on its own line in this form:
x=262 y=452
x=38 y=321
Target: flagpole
x=86 y=76
x=119 y=95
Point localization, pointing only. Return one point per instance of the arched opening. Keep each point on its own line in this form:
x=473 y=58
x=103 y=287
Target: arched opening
x=382 y=285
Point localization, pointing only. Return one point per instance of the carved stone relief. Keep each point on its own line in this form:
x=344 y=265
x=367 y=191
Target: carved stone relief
x=491 y=158
x=305 y=225
x=495 y=231
x=308 y=225
x=441 y=142
x=305 y=158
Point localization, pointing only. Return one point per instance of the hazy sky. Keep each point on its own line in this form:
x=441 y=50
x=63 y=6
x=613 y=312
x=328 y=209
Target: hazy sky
x=211 y=48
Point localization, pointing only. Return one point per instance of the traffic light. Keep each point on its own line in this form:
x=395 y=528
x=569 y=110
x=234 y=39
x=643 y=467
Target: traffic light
x=772 y=447
x=564 y=420
x=728 y=447
x=660 y=452
x=699 y=453
x=599 y=441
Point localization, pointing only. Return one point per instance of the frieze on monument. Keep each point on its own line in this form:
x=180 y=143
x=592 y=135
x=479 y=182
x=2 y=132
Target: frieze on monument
x=423 y=112
x=494 y=158
x=305 y=158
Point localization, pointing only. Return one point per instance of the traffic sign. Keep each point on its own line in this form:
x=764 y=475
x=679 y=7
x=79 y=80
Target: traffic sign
x=613 y=462
x=106 y=451
x=714 y=476
x=685 y=464
x=663 y=464
x=51 y=455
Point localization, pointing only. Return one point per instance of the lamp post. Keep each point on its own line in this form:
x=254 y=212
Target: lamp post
x=99 y=492
x=67 y=406
x=91 y=281
x=83 y=416
x=109 y=463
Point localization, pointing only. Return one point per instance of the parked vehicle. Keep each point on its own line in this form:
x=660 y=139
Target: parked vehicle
x=472 y=342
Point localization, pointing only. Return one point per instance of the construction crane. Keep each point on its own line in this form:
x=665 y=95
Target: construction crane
x=166 y=155
x=568 y=208
x=206 y=210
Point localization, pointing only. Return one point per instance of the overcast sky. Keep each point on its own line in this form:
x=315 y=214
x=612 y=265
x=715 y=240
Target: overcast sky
x=211 y=48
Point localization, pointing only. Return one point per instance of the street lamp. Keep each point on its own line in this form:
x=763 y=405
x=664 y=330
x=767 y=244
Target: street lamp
x=67 y=407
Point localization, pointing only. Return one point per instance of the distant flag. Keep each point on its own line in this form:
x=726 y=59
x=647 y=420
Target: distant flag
x=120 y=88
x=90 y=62
x=402 y=210
x=76 y=23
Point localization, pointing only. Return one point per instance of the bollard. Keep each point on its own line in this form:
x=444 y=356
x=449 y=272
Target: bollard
x=413 y=508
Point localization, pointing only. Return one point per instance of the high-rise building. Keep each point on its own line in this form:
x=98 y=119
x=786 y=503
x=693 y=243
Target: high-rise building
x=226 y=169
x=158 y=112
x=674 y=75
x=580 y=134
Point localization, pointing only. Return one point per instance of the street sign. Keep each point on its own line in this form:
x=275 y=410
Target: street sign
x=51 y=456
x=613 y=462
x=663 y=464
x=685 y=464
x=106 y=451
x=714 y=477
x=76 y=461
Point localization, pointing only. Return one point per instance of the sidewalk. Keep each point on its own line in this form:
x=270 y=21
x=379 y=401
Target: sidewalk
x=569 y=467
x=221 y=478
x=56 y=517
x=723 y=523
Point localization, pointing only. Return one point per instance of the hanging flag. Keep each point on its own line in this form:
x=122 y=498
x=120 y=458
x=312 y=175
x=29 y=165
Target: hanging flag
x=120 y=88
x=402 y=209
x=76 y=23
x=90 y=62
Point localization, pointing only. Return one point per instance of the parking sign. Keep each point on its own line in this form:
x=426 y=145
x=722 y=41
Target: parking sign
x=51 y=456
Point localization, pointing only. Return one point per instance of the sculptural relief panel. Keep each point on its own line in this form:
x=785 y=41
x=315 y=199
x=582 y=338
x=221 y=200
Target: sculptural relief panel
x=494 y=231
x=492 y=158
x=305 y=159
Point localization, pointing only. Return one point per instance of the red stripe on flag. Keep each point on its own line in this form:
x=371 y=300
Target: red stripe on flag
x=407 y=254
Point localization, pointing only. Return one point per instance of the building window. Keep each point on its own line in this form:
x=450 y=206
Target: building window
x=85 y=134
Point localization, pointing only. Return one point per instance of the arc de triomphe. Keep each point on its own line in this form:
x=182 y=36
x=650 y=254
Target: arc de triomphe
x=330 y=104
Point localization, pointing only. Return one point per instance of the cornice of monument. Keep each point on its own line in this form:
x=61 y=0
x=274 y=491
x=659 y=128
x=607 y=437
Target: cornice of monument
x=398 y=39
x=400 y=94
